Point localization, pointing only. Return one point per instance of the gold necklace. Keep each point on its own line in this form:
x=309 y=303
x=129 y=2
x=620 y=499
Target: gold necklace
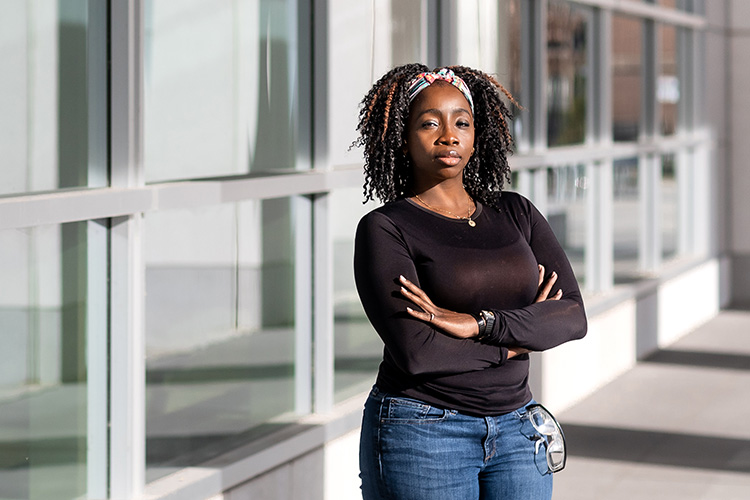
x=468 y=218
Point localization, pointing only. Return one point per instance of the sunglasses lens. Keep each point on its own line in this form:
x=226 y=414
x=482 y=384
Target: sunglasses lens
x=555 y=454
x=545 y=424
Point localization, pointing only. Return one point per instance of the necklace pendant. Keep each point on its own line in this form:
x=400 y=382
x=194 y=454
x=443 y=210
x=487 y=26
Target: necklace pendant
x=472 y=223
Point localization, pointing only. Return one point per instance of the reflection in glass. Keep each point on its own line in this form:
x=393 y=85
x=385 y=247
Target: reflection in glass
x=358 y=349
x=669 y=205
x=489 y=38
x=386 y=34
x=219 y=329
x=43 y=379
x=220 y=84
x=44 y=124
x=566 y=212
x=567 y=74
x=668 y=83
x=626 y=78
x=626 y=209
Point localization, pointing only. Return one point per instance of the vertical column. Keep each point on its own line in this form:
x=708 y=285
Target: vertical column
x=599 y=234
x=539 y=193
x=599 y=256
x=536 y=83
x=649 y=180
x=303 y=303
x=97 y=365
x=685 y=175
x=323 y=306
x=127 y=275
x=649 y=164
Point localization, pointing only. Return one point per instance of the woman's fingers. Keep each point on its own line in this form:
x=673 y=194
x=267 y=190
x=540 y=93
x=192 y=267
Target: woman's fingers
x=417 y=295
x=546 y=287
x=414 y=293
x=541 y=277
x=414 y=289
x=423 y=315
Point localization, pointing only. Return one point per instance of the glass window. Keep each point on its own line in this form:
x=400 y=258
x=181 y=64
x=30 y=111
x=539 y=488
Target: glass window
x=220 y=87
x=567 y=73
x=566 y=212
x=668 y=83
x=626 y=211
x=366 y=39
x=219 y=329
x=358 y=348
x=43 y=366
x=669 y=205
x=45 y=97
x=489 y=38
x=627 y=36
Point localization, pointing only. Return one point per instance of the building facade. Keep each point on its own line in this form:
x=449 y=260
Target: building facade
x=179 y=195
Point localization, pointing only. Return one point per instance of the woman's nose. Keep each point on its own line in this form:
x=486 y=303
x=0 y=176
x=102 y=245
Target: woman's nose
x=448 y=136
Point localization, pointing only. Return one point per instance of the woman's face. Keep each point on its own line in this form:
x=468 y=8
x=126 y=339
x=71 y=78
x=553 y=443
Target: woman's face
x=439 y=133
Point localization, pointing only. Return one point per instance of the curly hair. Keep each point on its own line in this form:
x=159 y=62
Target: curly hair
x=382 y=123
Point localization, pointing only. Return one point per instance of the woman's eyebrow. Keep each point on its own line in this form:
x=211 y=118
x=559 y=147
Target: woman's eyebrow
x=437 y=111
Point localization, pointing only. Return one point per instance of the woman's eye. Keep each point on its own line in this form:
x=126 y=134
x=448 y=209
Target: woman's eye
x=463 y=124
x=429 y=124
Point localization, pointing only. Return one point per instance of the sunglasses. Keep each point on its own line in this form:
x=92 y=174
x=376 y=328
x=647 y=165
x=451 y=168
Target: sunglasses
x=550 y=433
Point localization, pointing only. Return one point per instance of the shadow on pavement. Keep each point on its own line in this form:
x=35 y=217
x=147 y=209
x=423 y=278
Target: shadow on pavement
x=657 y=447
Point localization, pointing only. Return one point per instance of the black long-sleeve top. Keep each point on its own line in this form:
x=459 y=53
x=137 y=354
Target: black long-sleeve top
x=492 y=266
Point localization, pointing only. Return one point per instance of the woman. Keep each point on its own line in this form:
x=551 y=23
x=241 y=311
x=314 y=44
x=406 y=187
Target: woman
x=451 y=273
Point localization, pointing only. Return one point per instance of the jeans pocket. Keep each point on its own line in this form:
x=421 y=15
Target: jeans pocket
x=411 y=411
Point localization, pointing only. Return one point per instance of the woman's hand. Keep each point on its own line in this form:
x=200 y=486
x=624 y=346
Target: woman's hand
x=459 y=325
x=545 y=287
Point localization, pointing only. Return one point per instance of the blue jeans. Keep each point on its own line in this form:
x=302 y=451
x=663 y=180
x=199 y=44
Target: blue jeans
x=410 y=450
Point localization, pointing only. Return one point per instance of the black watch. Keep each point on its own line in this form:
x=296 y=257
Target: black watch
x=485 y=320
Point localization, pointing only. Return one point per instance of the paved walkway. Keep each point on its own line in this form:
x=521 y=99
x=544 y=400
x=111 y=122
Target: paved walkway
x=677 y=426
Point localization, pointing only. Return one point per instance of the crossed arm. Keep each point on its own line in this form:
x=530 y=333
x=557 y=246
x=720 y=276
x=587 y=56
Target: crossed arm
x=463 y=325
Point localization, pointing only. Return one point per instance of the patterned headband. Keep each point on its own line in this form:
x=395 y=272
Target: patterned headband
x=424 y=80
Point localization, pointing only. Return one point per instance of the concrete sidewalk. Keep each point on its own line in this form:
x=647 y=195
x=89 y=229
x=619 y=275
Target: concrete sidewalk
x=677 y=426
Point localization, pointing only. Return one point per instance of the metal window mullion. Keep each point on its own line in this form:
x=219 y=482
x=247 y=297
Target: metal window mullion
x=537 y=84
x=685 y=71
x=539 y=190
x=705 y=240
x=97 y=366
x=303 y=304
x=524 y=182
x=311 y=44
x=649 y=180
x=602 y=75
x=96 y=266
x=595 y=45
x=127 y=271
x=684 y=173
x=650 y=58
x=599 y=251
x=127 y=351
x=323 y=353
x=599 y=254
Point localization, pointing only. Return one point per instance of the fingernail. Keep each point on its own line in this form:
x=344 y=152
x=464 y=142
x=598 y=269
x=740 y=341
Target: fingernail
x=540 y=267
x=403 y=289
x=410 y=309
x=554 y=273
x=401 y=277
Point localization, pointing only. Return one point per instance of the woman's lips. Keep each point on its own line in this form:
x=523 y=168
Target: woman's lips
x=449 y=158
